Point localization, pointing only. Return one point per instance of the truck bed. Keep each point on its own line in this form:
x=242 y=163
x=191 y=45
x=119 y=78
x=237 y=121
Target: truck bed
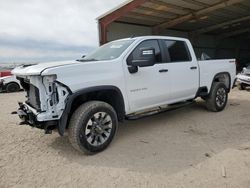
x=209 y=68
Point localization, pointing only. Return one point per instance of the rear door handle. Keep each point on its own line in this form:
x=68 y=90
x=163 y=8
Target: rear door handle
x=163 y=70
x=193 y=68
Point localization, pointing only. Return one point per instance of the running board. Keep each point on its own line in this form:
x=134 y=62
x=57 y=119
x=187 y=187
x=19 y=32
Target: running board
x=158 y=110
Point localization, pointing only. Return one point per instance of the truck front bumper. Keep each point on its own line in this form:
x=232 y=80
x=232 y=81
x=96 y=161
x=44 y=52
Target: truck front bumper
x=26 y=115
x=30 y=118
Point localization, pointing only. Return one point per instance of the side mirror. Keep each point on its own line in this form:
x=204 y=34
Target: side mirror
x=147 y=58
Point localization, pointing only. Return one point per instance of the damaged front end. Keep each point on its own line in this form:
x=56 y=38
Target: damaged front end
x=45 y=101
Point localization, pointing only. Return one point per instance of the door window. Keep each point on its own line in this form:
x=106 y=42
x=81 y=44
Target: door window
x=146 y=44
x=178 y=51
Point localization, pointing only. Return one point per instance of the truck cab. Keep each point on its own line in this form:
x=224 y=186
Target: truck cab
x=121 y=79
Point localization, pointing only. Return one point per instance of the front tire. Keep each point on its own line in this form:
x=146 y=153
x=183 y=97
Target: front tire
x=92 y=127
x=12 y=87
x=217 y=99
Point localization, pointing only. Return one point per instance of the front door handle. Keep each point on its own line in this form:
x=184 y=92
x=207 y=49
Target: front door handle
x=163 y=70
x=193 y=68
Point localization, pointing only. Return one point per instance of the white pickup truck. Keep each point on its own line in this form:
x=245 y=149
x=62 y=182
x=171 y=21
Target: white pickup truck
x=119 y=80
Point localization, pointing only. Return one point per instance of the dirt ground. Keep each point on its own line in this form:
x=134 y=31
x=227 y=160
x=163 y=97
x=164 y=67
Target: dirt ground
x=188 y=147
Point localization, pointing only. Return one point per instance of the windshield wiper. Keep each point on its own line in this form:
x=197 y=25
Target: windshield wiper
x=85 y=60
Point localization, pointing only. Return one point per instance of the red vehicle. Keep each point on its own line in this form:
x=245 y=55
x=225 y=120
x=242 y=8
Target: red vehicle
x=5 y=73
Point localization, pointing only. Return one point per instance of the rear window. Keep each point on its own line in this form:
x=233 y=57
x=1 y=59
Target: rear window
x=178 y=51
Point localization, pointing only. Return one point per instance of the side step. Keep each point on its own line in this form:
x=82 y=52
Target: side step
x=158 y=110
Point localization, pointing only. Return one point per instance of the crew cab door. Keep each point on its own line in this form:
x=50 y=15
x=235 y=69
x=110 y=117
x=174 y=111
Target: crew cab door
x=183 y=69
x=147 y=86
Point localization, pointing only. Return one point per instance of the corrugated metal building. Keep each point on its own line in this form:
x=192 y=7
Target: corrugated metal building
x=221 y=28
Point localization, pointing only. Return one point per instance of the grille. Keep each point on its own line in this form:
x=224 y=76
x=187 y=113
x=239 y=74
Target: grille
x=33 y=97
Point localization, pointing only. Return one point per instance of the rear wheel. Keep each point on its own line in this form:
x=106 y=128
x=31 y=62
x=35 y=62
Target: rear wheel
x=12 y=87
x=217 y=99
x=92 y=127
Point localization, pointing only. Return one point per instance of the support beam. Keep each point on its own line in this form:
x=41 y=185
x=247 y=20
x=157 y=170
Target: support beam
x=197 y=3
x=165 y=8
x=234 y=33
x=118 y=13
x=160 y=12
x=146 y=17
x=103 y=33
x=198 y=13
x=214 y=27
x=135 y=21
x=169 y=6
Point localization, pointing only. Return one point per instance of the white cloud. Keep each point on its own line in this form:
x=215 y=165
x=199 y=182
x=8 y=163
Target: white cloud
x=7 y=52
x=66 y=22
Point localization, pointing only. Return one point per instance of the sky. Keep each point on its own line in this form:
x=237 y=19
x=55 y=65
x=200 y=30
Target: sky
x=49 y=30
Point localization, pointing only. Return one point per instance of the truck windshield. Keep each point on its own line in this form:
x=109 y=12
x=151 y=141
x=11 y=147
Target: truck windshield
x=108 y=51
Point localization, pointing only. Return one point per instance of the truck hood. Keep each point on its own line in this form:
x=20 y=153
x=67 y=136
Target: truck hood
x=27 y=70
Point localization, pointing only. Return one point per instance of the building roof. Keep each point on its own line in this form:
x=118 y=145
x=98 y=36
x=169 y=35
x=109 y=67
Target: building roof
x=114 y=9
x=218 y=17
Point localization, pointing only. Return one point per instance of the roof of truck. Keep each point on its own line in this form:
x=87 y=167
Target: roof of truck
x=155 y=37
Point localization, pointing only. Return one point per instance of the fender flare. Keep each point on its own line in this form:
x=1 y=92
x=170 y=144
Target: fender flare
x=65 y=116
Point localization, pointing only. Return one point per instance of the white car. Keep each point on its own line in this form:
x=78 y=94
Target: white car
x=121 y=79
x=243 y=78
x=9 y=84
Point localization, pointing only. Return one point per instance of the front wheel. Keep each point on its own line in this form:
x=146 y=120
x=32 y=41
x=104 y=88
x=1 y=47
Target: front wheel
x=92 y=127
x=217 y=99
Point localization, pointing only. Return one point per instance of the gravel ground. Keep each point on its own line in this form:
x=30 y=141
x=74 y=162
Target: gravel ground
x=188 y=147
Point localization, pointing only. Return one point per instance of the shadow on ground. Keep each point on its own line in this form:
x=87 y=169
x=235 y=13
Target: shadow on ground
x=169 y=142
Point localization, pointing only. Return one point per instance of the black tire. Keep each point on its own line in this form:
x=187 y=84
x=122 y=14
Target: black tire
x=84 y=127
x=217 y=99
x=12 y=87
x=241 y=86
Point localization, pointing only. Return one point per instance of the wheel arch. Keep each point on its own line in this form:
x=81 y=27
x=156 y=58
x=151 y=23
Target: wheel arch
x=223 y=77
x=109 y=94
